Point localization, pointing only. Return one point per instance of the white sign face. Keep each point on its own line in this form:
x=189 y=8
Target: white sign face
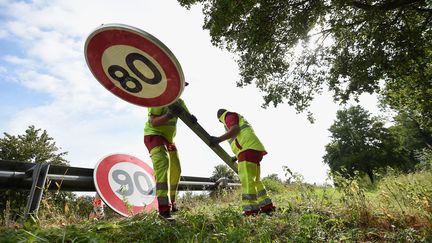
x=134 y=65
x=133 y=183
x=126 y=184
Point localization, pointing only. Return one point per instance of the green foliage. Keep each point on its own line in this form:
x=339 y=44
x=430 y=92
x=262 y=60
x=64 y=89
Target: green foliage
x=410 y=137
x=407 y=196
x=359 y=143
x=425 y=158
x=223 y=171
x=273 y=185
x=33 y=146
x=273 y=176
x=353 y=196
x=293 y=50
x=305 y=214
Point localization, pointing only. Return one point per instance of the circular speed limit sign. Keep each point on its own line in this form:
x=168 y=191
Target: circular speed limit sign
x=134 y=65
x=126 y=184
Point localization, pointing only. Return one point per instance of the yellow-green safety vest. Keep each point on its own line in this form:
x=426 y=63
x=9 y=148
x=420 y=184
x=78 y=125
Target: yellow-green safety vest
x=168 y=130
x=246 y=139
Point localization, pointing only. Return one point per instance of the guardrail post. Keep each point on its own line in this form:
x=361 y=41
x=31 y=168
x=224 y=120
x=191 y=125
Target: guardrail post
x=39 y=174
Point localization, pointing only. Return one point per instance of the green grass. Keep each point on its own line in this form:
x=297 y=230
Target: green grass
x=397 y=209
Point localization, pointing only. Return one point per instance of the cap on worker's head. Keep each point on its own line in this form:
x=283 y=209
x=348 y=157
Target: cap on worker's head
x=220 y=112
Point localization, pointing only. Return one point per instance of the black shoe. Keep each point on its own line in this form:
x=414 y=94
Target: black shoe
x=174 y=208
x=250 y=213
x=269 y=211
x=166 y=215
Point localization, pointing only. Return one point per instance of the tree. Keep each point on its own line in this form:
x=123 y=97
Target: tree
x=223 y=171
x=273 y=177
x=410 y=137
x=34 y=146
x=358 y=143
x=293 y=49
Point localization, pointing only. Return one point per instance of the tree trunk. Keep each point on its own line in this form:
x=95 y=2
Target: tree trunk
x=370 y=174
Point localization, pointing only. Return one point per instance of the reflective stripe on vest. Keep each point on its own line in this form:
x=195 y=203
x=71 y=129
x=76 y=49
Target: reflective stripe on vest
x=168 y=130
x=246 y=139
x=241 y=128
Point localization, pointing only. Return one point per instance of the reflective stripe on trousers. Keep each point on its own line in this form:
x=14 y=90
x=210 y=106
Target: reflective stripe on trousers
x=247 y=173
x=163 y=200
x=254 y=195
x=167 y=171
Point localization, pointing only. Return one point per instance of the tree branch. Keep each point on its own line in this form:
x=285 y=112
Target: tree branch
x=424 y=10
x=390 y=5
x=329 y=30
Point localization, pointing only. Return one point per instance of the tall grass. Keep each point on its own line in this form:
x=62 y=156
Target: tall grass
x=397 y=209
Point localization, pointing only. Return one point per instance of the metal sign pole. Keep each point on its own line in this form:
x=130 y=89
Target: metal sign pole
x=187 y=118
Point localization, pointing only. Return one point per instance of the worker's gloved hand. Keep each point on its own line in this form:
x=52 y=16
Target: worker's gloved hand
x=214 y=141
x=193 y=119
x=174 y=110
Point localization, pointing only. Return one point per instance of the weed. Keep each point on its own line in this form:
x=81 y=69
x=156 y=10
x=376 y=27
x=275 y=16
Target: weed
x=397 y=209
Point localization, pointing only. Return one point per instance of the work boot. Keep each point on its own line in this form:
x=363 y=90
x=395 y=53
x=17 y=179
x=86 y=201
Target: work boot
x=250 y=213
x=268 y=209
x=166 y=215
x=174 y=208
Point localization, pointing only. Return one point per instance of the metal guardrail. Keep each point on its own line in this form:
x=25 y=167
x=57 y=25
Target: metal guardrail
x=32 y=176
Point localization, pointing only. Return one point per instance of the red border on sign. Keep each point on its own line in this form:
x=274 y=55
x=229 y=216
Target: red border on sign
x=102 y=183
x=105 y=39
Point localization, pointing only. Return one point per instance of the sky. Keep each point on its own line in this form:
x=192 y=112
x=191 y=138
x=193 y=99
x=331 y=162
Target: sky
x=45 y=81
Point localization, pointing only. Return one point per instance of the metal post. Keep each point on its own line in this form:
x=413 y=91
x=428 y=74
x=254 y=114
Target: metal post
x=39 y=174
x=186 y=117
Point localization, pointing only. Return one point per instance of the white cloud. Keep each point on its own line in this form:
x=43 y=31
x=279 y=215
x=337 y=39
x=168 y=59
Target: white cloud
x=89 y=122
x=17 y=60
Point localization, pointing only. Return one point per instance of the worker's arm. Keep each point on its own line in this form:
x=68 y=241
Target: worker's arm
x=160 y=120
x=232 y=122
x=230 y=134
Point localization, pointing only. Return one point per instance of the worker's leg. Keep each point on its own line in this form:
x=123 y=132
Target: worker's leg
x=247 y=173
x=160 y=161
x=174 y=174
x=264 y=201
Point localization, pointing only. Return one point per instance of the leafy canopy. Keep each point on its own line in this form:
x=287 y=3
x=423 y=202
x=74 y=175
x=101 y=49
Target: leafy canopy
x=221 y=171
x=358 y=143
x=33 y=146
x=293 y=49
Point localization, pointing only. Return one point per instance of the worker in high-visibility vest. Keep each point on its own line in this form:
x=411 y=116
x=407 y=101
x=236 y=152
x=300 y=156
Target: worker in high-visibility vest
x=249 y=152
x=159 y=133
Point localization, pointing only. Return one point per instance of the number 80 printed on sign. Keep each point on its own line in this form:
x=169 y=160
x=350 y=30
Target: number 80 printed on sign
x=126 y=184
x=134 y=65
x=134 y=71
